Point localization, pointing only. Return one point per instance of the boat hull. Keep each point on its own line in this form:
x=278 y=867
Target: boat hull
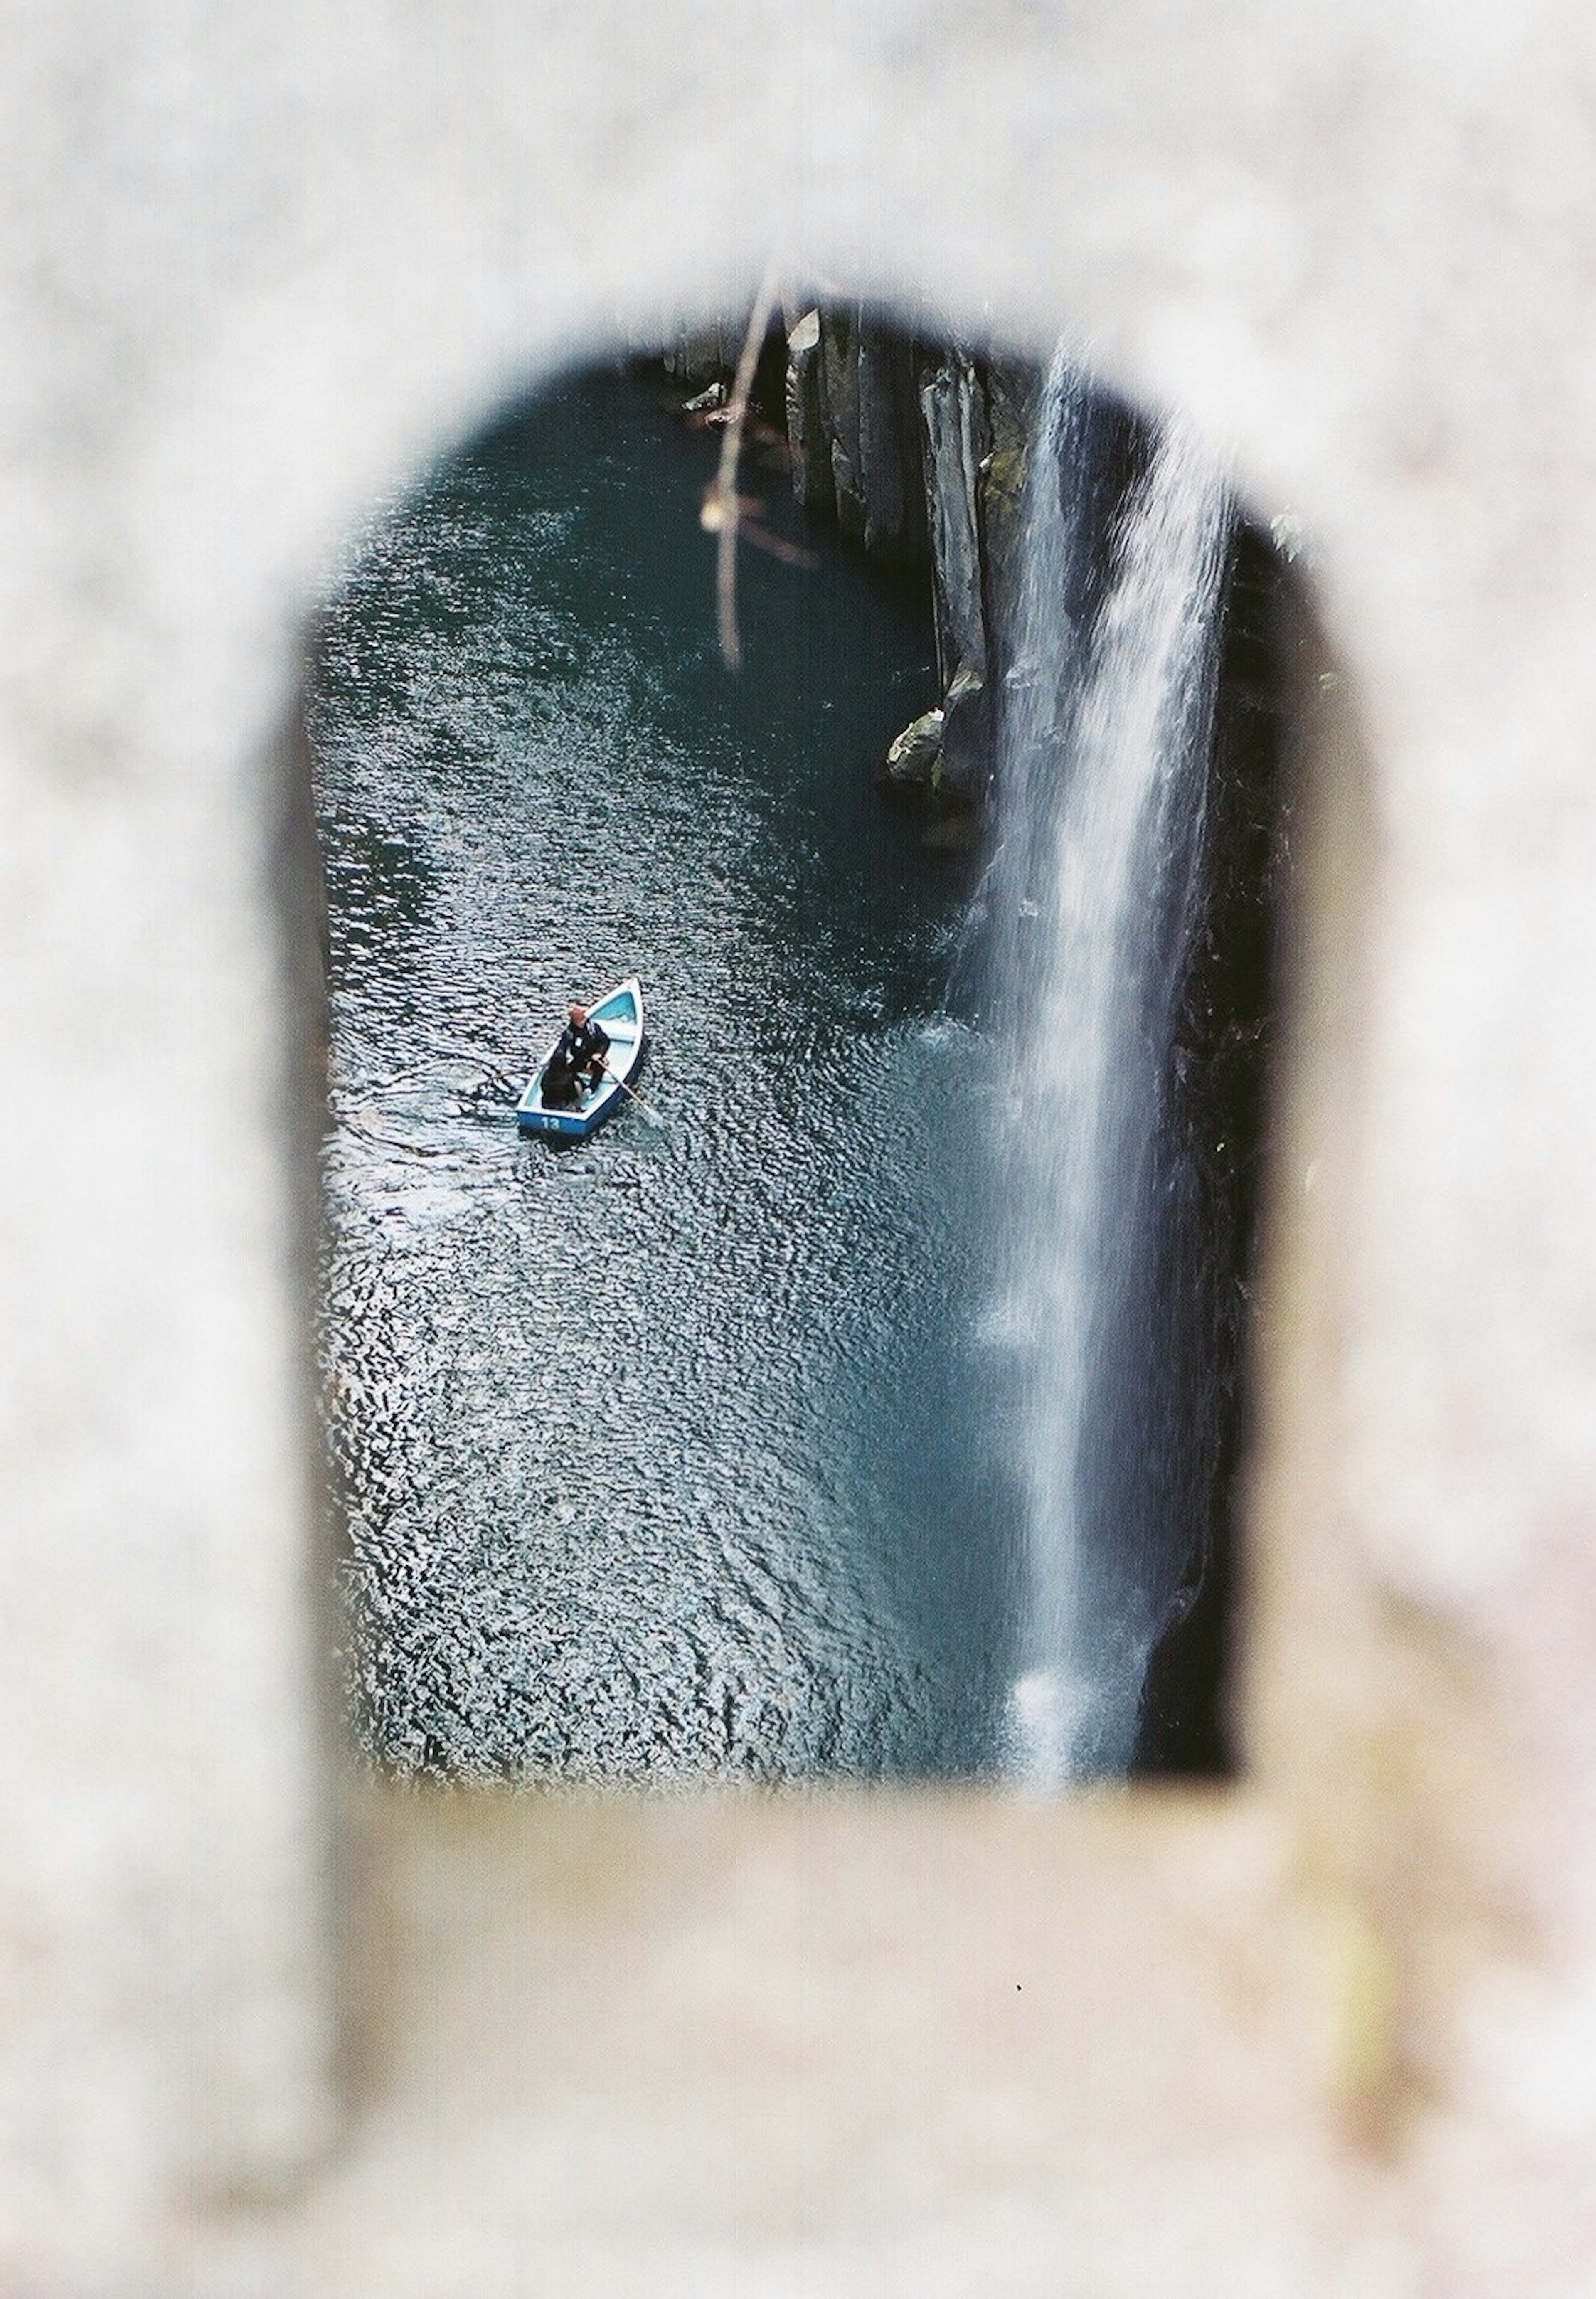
x=619 y=1015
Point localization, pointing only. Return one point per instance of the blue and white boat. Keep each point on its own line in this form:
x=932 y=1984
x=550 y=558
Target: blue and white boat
x=620 y=1017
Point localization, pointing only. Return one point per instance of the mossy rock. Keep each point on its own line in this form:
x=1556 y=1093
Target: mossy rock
x=913 y=760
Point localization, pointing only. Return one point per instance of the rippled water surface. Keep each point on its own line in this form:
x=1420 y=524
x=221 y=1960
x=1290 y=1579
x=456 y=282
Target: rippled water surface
x=661 y=1454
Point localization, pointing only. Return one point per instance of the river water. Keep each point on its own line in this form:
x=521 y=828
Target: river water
x=664 y=1457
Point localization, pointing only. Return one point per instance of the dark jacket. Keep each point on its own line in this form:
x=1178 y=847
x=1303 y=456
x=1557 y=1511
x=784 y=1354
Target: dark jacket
x=580 y=1046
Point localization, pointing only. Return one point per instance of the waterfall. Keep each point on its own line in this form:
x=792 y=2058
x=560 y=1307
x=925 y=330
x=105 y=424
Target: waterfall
x=1095 y=896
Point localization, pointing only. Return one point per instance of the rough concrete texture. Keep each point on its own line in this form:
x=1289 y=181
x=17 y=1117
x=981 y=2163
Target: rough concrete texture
x=259 y=261
x=801 y=2045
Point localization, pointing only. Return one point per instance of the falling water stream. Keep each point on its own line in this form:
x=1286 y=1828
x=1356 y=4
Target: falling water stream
x=1098 y=889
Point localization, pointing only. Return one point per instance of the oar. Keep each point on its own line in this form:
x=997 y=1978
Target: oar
x=647 y=1108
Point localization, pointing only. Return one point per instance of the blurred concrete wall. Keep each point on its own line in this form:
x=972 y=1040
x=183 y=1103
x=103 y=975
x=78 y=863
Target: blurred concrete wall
x=1334 y=2032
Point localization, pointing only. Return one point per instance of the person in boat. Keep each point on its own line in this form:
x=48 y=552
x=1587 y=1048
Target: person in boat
x=576 y=1062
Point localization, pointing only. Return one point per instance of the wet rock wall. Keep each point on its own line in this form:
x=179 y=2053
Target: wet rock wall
x=917 y=451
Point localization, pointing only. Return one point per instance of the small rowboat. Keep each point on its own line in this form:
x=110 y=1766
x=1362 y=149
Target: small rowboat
x=620 y=1017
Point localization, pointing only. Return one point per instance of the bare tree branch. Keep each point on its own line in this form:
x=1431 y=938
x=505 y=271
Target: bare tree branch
x=722 y=508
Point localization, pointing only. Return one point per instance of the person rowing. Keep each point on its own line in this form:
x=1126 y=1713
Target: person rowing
x=576 y=1062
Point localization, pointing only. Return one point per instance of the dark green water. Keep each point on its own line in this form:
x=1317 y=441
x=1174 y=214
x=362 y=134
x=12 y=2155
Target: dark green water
x=663 y=1457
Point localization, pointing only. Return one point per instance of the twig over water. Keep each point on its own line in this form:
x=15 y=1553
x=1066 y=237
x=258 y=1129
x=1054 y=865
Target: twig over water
x=722 y=509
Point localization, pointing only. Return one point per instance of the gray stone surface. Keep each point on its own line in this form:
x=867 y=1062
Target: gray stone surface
x=839 y=383
x=913 y=758
x=258 y=261
x=888 y=478
x=953 y=408
x=967 y=742
x=807 y=441
x=1010 y=394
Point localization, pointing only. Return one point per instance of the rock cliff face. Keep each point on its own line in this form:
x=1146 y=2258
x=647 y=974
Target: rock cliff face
x=918 y=453
x=854 y=428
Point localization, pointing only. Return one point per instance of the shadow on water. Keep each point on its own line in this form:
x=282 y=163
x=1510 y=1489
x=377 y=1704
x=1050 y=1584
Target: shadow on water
x=661 y=1456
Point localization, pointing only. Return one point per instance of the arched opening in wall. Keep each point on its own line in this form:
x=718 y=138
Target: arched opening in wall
x=857 y=1384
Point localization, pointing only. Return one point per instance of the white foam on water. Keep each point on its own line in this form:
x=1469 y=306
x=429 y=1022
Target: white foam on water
x=1042 y=1729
